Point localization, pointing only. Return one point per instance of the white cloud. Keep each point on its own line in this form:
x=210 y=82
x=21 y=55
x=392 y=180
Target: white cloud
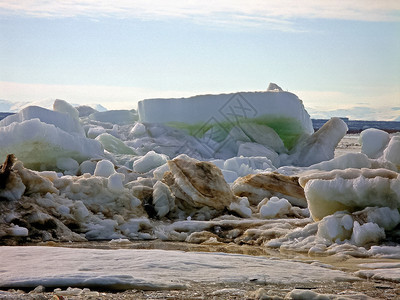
x=372 y=104
x=245 y=12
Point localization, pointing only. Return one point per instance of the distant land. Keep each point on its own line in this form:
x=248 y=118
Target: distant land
x=5 y=114
x=356 y=126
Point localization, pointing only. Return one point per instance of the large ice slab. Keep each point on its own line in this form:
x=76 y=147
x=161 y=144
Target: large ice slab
x=282 y=111
x=149 y=269
x=39 y=145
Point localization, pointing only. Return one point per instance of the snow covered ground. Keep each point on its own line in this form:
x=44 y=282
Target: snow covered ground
x=219 y=169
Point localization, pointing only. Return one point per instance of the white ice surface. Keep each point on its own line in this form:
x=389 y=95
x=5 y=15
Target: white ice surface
x=219 y=108
x=148 y=269
x=373 y=141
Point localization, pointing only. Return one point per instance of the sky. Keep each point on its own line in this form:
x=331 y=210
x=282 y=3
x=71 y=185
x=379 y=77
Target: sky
x=342 y=58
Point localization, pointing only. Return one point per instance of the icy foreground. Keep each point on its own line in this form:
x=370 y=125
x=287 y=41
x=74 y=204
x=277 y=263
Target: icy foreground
x=255 y=182
x=149 y=269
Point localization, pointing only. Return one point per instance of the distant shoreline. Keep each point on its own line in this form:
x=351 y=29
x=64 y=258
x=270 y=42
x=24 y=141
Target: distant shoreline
x=356 y=126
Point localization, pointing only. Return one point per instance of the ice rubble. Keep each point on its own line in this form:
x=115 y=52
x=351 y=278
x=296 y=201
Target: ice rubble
x=350 y=189
x=119 y=178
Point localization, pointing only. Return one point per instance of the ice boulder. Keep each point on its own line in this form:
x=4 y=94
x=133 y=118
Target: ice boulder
x=198 y=184
x=87 y=166
x=116 y=182
x=318 y=147
x=283 y=112
x=163 y=199
x=114 y=145
x=275 y=208
x=68 y=165
x=104 y=168
x=385 y=217
x=373 y=141
x=367 y=233
x=149 y=162
x=336 y=228
x=242 y=208
x=38 y=144
x=64 y=107
x=350 y=189
x=138 y=130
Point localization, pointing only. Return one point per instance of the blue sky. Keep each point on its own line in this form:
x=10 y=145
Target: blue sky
x=338 y=57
